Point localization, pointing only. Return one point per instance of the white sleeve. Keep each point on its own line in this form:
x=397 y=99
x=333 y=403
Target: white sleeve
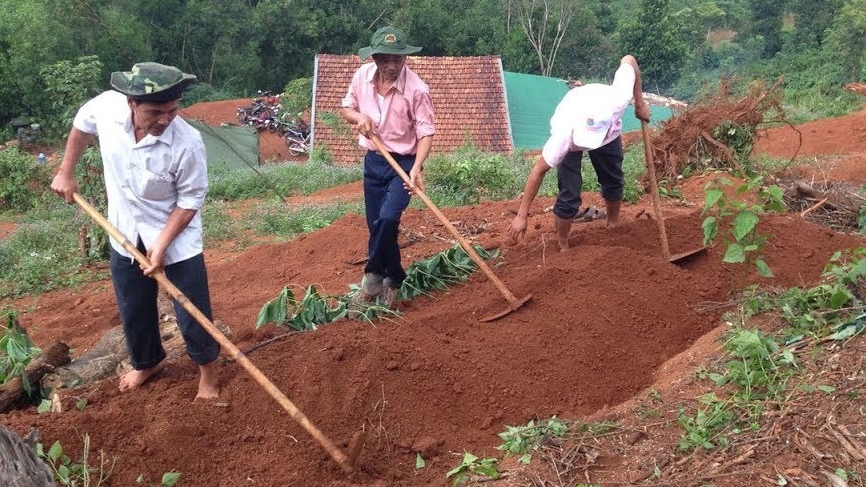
x=557 y=147
x=623 y=84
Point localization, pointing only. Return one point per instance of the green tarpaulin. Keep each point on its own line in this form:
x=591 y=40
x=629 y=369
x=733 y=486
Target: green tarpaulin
x=532 y=100
x=232 y=146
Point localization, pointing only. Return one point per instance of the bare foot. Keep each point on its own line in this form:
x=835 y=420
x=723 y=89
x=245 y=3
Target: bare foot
x=208 y=382
x=611 y=223
x=135 y=378
x=563 y=246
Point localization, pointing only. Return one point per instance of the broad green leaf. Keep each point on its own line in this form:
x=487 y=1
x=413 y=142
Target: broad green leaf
x=526 y=459
x=744 y=223
x=44 y=406
x=81 y=404
x=488 y=470
x=735 y=254
x=169 y=479
x=839 y=298
x=827 y=389
x=419 y=462
x=63 y=474
x=711 y=197
x=763 y=268
x=710 y=227
x=55 y=451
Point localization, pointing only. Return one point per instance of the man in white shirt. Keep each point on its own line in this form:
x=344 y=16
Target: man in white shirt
x=156 y=180
x=589 y=118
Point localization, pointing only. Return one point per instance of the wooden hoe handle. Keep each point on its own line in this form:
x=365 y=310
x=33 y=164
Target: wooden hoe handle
x=224 y=342
x=451 y=228
x=657 y=205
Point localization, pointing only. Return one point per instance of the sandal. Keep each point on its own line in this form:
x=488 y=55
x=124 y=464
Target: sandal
x=589 y=214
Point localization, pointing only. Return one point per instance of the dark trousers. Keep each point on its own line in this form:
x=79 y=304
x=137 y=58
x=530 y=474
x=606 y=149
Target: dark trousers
x=385 y=199
x=136 y=297
x=607 y=162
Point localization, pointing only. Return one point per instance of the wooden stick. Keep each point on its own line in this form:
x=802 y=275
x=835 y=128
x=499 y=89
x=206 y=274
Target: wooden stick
x=224 y=342
x=651 y=173
x=813 y=207
x=451 y=228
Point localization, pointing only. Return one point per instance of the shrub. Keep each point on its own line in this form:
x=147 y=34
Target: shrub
x=22 y=181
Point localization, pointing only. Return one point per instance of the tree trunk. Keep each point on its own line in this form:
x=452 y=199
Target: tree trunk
x=19 y=465
x=56 y=355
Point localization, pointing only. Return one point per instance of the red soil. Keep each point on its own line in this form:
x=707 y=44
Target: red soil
x=604 y=320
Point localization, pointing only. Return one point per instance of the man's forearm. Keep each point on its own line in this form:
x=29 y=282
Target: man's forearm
x=533 y=183
x=76 y=143
x=423 y=150
x=178 y=220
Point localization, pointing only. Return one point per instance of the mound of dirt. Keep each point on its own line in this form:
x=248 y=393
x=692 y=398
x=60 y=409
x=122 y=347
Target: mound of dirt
x=605 y=322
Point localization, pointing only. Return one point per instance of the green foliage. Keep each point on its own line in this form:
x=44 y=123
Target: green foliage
x=468 y=176
x=68 y=472
x=658 y=42
x=518 y=440
x=91 y=183
x=67 y=87
x=275 y=219
x=22 y=180
x=704 y=429
x=744 y=240
x=444 y=269
x=16 y=350
x=314 y=309
x=845 y=42
x=473 y=466
x=43 y=253
x=738 y=138
x=283 y=179
x=760 y=367
x=298 y=96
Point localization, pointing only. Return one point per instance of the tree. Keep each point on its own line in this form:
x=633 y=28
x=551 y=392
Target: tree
x=767 y=23
x=545 y=23
x=846 y=40
x=811 y=20
x=655 y=39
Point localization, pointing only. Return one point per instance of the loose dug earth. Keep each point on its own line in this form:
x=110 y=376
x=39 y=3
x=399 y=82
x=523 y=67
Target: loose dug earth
x=609 y=320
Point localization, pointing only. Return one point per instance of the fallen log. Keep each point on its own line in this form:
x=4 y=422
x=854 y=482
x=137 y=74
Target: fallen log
x=19 y=464
x=11 y=391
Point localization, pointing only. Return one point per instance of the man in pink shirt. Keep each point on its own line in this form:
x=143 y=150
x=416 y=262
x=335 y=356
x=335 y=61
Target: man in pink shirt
x=388 y=99
x=588 y=119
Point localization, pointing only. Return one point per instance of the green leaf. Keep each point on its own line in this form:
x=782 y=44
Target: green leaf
x=419 y=462
x=744 y=223
x=827 y=389
x=763 y=268
x=55 y=451
x=44 y=406
x=710 y=227
x=169 y=479
x=525 y=459
x=711 y=198
x=735 y=254
x=839 y=298
x=81 y=404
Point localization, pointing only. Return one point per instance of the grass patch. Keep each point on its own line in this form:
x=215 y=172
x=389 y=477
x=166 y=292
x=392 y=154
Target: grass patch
x=284 y=222
x=43 y=254
x=283 y=180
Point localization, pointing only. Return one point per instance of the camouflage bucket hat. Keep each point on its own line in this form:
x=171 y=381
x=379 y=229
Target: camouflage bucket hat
x=387 y=40
x=152 y=82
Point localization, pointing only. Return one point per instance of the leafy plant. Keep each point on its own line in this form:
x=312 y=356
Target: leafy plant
x=468 y=175
x=523 y=439
x=314 y=309
x=744 y=240
x=739 y=138
x=16 y=350
x=297 y=96
x=703 y=430
x=470 y=465
x=22 y=181
x=68 y=86
x=169 y=479
x=76 y=474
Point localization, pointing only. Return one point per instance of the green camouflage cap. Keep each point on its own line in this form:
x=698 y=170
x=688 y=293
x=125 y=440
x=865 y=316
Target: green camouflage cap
x=387 y=40
x=152 y=82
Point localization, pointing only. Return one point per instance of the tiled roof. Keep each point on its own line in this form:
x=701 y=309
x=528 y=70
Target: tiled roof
x=468 y=100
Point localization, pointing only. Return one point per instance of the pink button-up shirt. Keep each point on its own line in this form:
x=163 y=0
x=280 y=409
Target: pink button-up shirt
x=402 y=117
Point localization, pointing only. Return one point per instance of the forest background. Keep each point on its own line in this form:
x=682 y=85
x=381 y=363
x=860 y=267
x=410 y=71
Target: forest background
x=56 y=53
